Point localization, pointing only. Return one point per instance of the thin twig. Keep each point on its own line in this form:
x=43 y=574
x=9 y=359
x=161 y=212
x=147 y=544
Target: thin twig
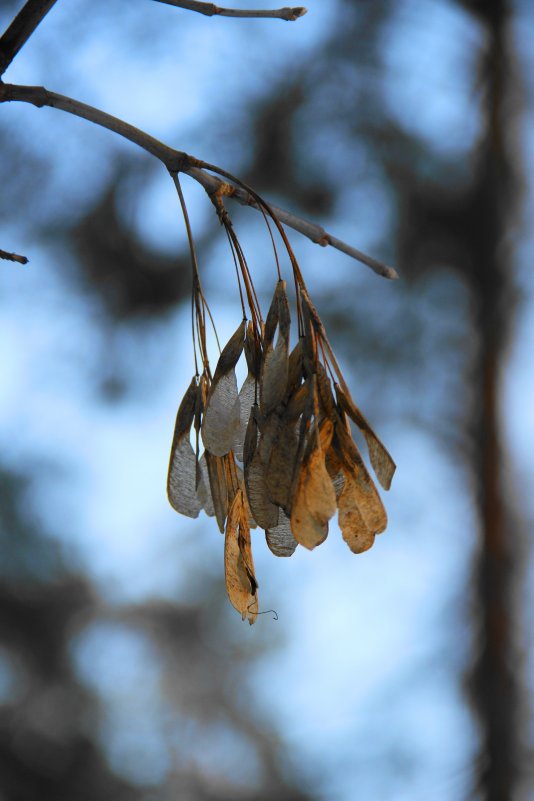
x=20 y=30
x=211 y=10
x=309 y=229
x=177 y=161
x=13 y=257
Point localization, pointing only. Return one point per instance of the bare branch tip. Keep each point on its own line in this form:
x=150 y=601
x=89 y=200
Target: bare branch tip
x=13 y=257
x=296 y=13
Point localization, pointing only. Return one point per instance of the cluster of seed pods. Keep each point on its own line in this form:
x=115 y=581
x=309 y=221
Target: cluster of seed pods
x=278 y=453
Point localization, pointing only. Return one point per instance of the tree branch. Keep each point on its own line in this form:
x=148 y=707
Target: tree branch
x=38 y=96
x=211 y=10
x=20 y=30
x=312 y=231
x=13 y=257
x=178 y=161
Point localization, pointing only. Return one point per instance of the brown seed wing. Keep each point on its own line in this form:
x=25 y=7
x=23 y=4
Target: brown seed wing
x=324 y=387
x=333 y=466
x=252 y=352
x=315 y=500
x=369 y=502
x=241 y=583
x=217 y=484
x=383 y=464
x=247 y=396
x=282 y=466
x=203 y=488
x=319 y=490
x=306 y=528
x=251 y=441
x=274 y=375
x=230 y=353
x=222 y=415
x=294 y=369
x=273 y=315
x=265 y=513
x=351 y=522
x=181 y=480
x=297 y=402
x=269 y=432
x=280 y=538
x=248 y=511
x=381 y=460
x=326 y=432
x=309 y=348
x=186 y=411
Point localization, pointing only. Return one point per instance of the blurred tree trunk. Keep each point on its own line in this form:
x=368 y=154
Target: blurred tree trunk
x=495 y=682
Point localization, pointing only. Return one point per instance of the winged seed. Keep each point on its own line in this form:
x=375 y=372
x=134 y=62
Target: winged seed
x=282 y=466
x=351 y=522
x=247 y=396
x=230 y=353
x=307 y=530
x=381 y=460
x=383 y=464
x=221 y=418
x=274 y=375
x=265 y=513
x=181 y=481
x=280 y=538
x=218 y=489
x=186 y=412
x=241 y=583
x=203 y=489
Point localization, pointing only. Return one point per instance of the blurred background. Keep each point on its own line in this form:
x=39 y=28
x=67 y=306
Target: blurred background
x=405 y=128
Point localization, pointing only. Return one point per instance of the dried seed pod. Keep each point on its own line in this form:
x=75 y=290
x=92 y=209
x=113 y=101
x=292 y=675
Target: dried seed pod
x=253 y=352
x=181 y=482
x=268 y=431
x=250 y=517
x=297 y=402
x=283 y=466
x=247 y=397
x=295 y=368
x=231 y=352
x=307 y=529
x=315 y=499
x=232 y=477
x=280 y=538
x=251 y=440
x=333 y=466
x=326 y=432
x=309 y=347
x=182 y=473
x=369 y=502
x=265 y=512
x=351 y=522
x=222 y=414
x=241 y=583
x=381 y=460
x=275 y=360
x=218 y=489
x=203 y=488
x=274 y=376
x=326 y=398
x=271 y=321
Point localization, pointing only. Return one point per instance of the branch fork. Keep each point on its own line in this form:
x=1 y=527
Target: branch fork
x=176 y=161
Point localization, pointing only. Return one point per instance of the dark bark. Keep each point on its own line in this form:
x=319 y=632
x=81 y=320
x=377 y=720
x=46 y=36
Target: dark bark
x=495 y=684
